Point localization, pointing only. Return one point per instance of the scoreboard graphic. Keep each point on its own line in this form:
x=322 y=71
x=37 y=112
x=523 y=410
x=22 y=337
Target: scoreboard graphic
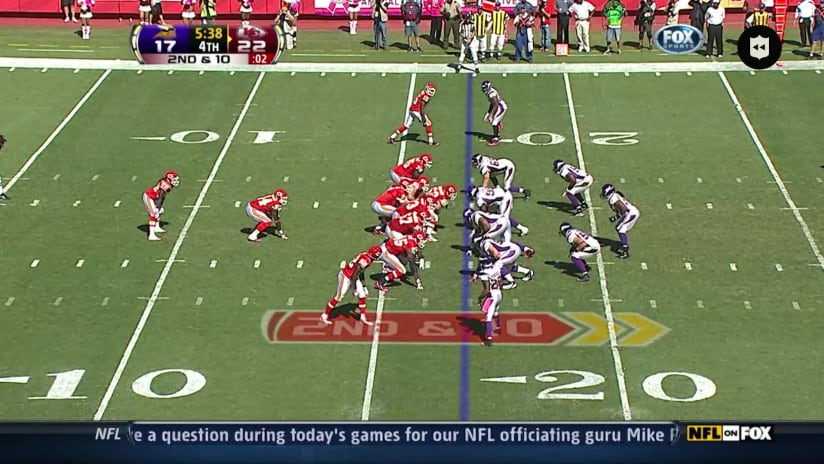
x=207 y=45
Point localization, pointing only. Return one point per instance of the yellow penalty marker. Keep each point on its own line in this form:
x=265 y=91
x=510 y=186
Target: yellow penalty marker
x=646 y=330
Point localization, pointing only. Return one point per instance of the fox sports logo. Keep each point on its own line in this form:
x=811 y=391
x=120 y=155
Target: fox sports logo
x=679 y=39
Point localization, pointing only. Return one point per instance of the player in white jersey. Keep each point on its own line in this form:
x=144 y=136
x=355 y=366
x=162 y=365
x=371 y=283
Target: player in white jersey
x=582 y=246
x=626 y=215
x=490 y=301
x=486 y=225
x=492 y=169
x=496 y=200
x=505 y=256
x=495 y=113
x=578 y=183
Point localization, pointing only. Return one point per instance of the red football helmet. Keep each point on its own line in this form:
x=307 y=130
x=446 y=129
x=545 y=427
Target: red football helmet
x=282 y=196
x=419 y=237
x=451 y=191
x=423 y=183
x=427 y=160
x=172 y=177
x=374 y=252
x=430 y=89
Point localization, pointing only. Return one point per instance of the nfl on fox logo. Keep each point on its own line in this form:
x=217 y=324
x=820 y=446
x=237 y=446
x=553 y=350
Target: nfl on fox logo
x=678 y=39
x=729 y=433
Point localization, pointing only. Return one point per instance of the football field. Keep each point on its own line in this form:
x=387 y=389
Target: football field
x=716 y=315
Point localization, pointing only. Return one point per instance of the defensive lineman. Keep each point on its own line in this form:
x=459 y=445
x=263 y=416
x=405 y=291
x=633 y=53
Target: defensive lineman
x=582 y=246
x=486 y=199
x=491 y=168
x=626 y=215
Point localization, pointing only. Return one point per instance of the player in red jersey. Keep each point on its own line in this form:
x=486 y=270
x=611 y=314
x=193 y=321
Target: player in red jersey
x=444 y=193
x=265 y=210
x=410 y=223
x=153 y=199
x=417 y=111
x=411 y=168
x=353 y=272
x=386 y=204
x=424 y=203
x=395 y=252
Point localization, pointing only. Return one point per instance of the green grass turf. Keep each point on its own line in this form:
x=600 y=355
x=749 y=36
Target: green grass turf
x=339 y=46
x=735 y=328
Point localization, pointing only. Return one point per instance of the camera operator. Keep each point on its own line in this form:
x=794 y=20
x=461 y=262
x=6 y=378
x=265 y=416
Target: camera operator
x=380 y=17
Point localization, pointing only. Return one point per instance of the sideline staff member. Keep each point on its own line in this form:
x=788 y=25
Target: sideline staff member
x=715 y=28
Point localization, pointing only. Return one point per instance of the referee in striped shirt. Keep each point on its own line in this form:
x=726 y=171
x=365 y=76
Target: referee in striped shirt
x=469 y=41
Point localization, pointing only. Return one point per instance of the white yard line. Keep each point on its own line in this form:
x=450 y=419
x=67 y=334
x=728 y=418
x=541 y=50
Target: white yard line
x=613 y=338
x=147 y=311
x=773 y=171
x=376 y=335
x=406 y=68
x=58 y=129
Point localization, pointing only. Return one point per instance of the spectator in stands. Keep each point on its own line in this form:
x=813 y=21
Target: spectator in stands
x=380 y=16
x=817 y=36
x=435 y=20
x=614 y=12
x=68 y=10
x=545 y=18
x=562 y=10
x=644 y=20
x=208 y=13
x=715 y=28
x=411 y=11
x=672 y=12
x=452 y=14
x=804 y=15
x=582 y=12
x=697 y=15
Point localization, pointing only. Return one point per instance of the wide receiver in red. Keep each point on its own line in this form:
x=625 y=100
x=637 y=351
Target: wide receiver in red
x=265 y=210
x=411 y=168
x=353 y=272
x=153 y=199
x=417 y=112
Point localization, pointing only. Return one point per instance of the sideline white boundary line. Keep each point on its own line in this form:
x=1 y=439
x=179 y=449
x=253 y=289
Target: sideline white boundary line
x=147 y=311
x=57 y=130
x=405 y=68
x=613 y=338
x=773 y=171
x=373 y=352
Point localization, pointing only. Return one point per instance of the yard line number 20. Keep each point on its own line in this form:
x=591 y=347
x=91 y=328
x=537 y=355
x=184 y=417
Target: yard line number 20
x=652 y=385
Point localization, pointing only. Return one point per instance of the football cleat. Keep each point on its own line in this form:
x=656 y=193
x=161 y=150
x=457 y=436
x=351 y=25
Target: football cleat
x=3 y=196
x=623 y=253
x=584 y=278
x=325 y=319
x=494 y=142
x=523 y=231
x=529 y=275
x=607 y=190
x=154 y=238
x=579 y=211
x=364 y=320
x=488 y=341
x=527 y=194
x=172 y=177
x=159 y=229
x=557 y=165
x=433 y=143
x=381 y=287
x=509 y=285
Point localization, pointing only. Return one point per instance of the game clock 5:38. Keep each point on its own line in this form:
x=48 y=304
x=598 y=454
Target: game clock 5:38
x=209 y=33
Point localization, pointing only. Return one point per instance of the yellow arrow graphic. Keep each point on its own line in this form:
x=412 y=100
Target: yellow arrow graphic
x=598 y=332
x=646 y=330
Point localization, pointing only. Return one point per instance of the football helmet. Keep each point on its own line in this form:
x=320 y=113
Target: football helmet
x=557 y=165
x=423 y=183
x=607 y=190
x=419 y=237
x=486 y=85
x=451 y=191
x=565 y=227
x=476 y=160
x=172 y=177
x=282 y=196
x=473 y=192
x=430 y=89
x=374 y=252
x=427 y=160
